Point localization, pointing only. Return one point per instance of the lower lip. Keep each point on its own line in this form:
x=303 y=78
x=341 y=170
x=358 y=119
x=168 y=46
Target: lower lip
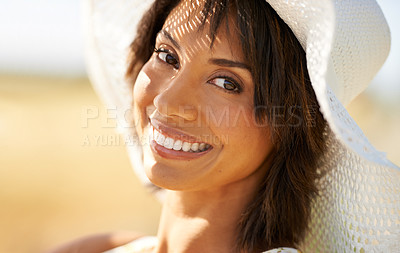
x=174 y=154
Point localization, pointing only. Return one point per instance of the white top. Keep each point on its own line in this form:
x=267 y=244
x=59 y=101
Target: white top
x=147 y=243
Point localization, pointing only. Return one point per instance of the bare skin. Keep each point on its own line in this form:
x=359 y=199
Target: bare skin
x=97 y=243
x=204 y=221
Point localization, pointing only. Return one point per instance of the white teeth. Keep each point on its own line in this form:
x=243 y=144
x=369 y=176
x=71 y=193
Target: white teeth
x=169 y=143
x=202 y=146
x=195 y=147
x=177 y=145
x=160 y=139
x=155 y=134
x=186 y=146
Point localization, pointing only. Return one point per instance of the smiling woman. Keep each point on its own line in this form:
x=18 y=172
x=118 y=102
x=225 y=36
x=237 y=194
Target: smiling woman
x=201 y=70
x=238 y=106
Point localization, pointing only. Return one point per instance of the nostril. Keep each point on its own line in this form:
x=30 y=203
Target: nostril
x=188 y=112
x=179 y=106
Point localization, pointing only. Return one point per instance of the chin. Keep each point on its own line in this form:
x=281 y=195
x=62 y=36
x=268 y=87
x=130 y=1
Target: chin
x=166 y=178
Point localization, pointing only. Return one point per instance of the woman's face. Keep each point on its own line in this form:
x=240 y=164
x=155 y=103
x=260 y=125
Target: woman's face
x=194 y=105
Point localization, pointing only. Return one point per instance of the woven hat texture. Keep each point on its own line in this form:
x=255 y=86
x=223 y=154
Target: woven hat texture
x=346 y=42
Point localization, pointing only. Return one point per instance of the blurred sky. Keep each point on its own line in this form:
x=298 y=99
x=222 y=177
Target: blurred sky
x=387 y=82
x=45 y=37
x=41 y=37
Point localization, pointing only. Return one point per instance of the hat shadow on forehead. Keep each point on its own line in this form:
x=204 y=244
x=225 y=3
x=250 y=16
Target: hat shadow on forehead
x=188 y=17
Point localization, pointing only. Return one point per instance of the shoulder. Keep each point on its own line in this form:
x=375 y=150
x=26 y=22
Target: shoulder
x=144 y=244
x=97 y=243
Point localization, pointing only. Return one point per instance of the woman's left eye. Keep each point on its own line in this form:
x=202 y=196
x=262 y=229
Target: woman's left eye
x=226 y=84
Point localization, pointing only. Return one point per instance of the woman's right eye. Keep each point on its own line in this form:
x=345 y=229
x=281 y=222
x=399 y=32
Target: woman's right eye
x=167 y=56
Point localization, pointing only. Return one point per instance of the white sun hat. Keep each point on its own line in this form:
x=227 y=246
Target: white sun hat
x=346 y=42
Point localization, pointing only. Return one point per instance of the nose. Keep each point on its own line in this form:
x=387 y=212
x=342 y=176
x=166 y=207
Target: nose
x=177 y=98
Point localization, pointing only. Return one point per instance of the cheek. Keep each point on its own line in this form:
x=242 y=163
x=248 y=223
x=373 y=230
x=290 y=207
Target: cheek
x=245 y=144
x=149 y=83
x=143 y=96
x=233 y=123
x=142 y=89
x=243 y=131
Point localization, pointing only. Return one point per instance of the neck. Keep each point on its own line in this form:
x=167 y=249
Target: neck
x=204 y=221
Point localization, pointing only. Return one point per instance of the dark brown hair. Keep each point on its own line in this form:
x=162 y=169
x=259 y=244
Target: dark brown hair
x=283 y=97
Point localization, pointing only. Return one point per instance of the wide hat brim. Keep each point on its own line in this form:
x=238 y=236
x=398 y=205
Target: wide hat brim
x=346 y=42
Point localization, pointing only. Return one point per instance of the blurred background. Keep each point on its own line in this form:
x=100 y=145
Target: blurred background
x=61 y=178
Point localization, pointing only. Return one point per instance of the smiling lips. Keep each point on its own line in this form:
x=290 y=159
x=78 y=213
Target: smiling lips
x=174 y=148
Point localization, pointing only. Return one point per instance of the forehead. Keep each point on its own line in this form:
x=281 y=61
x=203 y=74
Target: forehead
x=186 y=23
x=184 y=18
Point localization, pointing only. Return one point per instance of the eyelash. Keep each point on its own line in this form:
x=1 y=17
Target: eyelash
x=160 y=50
x=237 y=86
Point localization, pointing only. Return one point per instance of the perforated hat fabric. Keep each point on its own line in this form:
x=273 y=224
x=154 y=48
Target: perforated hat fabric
x=346 y=42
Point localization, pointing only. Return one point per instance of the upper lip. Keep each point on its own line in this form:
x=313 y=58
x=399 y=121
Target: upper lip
x=173 y=132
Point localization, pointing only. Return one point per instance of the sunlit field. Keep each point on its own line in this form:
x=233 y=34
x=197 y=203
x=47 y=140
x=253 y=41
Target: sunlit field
x=62 y=176
x=54 y=185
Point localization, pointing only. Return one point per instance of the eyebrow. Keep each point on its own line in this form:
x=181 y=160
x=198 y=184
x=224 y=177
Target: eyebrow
x=229 y=63
x=216 y=61
x=170 y=38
